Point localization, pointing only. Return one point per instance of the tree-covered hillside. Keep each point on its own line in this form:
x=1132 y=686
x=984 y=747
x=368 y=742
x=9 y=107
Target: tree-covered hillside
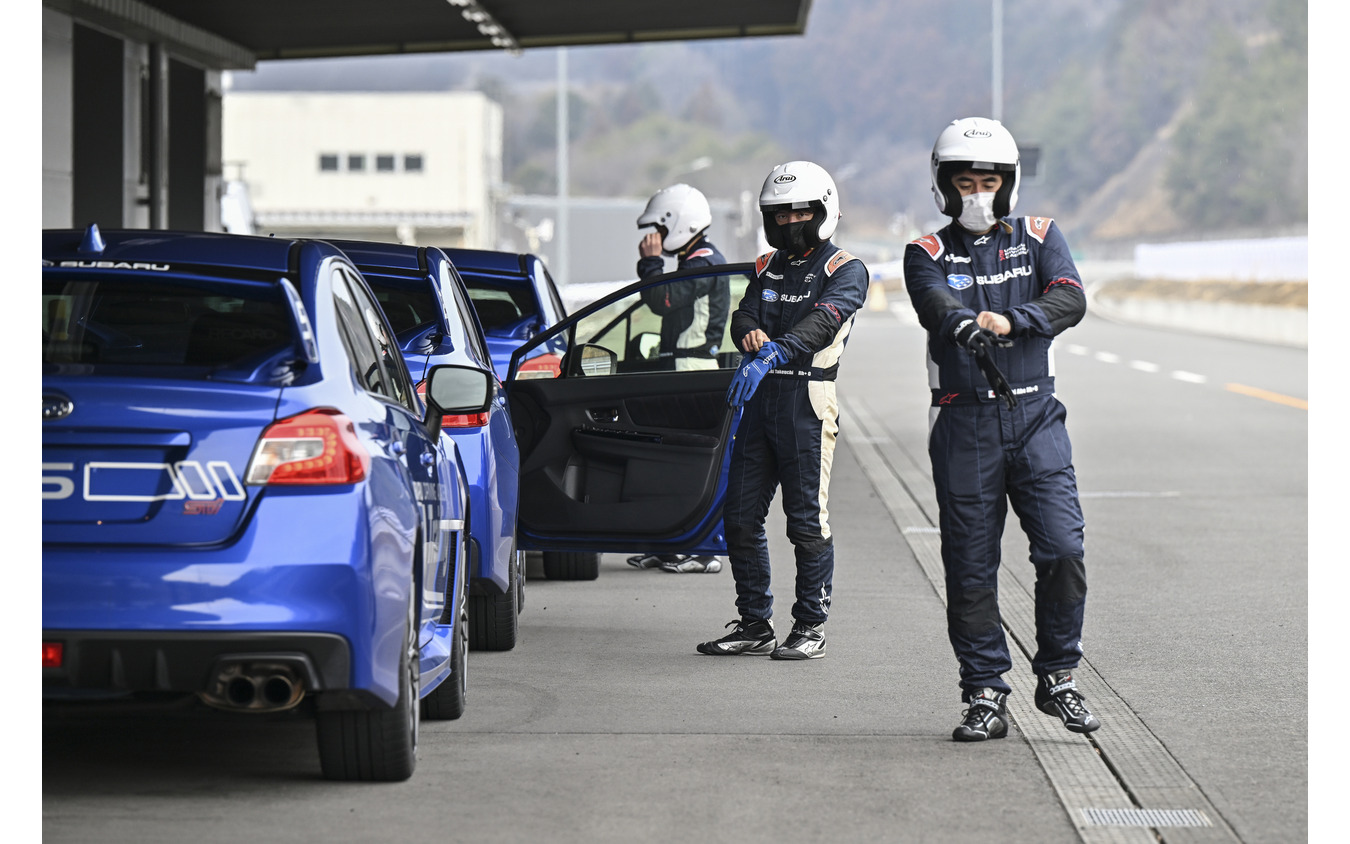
x=1155 y=118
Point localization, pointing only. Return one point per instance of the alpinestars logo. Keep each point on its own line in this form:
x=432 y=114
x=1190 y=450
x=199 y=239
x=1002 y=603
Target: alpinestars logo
x=982 y=241
x=1012 y=252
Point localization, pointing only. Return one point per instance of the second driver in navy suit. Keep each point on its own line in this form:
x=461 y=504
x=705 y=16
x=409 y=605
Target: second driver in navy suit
x=791 y=324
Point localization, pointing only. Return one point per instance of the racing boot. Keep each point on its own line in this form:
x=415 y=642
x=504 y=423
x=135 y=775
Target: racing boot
x=806 y=641
x=651 y=561
x=1056 y=694
x=753 y=636
x=686 y=565
x=987 y=717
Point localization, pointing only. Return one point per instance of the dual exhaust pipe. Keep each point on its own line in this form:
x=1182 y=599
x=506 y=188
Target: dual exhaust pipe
x=255 y=686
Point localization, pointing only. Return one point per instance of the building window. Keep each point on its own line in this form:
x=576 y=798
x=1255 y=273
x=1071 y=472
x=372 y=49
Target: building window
x=384 y=163
x=328 y=163
x=356 y=163
x=412 y=163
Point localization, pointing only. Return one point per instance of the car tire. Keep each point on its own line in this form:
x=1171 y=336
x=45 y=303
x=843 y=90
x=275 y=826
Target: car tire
x=571 y=565
x=447 y=701
x=377 y=744
x=493 y=621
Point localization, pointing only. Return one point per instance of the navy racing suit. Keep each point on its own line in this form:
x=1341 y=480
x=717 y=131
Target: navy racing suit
x=693 y=313
x=786 y=435
x=985 y=455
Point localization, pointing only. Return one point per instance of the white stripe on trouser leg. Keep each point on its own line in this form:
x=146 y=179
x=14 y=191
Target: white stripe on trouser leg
x=825 y=402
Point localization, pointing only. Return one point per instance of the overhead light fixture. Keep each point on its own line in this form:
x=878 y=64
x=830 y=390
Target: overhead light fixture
x=487 y=25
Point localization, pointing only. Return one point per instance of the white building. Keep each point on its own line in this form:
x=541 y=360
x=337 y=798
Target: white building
x=420 y=168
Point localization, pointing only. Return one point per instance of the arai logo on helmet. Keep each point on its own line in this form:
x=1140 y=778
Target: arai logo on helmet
x=978 y=133
x=959 y=282
x=784 y=179
x=769 y=296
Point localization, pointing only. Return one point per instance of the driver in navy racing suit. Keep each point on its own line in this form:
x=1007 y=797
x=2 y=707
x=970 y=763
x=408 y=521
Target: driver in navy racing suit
x=1002 y=288
x=792 y=323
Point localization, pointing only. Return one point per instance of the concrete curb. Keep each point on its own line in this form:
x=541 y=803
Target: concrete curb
x=1256 y=323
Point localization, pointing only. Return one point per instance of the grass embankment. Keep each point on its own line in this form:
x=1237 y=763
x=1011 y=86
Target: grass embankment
x=1280 y=294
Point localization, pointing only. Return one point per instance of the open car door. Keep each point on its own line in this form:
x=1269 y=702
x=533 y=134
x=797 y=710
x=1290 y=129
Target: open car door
x=624 y=440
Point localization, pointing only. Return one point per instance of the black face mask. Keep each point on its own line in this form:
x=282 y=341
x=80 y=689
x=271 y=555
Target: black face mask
x=793 y=236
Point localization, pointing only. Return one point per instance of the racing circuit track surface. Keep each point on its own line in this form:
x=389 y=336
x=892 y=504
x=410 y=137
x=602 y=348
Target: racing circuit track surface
x=604 y=725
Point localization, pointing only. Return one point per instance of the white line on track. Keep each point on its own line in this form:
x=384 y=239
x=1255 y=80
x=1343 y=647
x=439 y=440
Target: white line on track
x=1189 y=377
x=1144 y=366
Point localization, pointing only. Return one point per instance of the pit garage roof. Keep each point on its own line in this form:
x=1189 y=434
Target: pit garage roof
x=232 y=32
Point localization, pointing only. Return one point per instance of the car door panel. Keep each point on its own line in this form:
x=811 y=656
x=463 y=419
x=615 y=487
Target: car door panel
x=604 y=460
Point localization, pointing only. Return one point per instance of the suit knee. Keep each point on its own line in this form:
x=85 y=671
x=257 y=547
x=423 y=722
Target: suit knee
x=810 y=547
x=973 y=612
x=742 y=540
x=1064 y=580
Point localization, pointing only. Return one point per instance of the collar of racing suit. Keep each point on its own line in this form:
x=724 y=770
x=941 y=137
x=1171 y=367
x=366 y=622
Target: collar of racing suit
x=690 y=246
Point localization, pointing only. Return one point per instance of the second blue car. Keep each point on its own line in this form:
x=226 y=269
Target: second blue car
x=434 y=323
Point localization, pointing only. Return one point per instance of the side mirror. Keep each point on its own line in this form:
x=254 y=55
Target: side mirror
x=589 y=360
x=454 y=390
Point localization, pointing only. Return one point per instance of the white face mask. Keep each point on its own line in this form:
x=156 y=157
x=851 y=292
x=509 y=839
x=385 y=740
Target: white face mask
x=977 y=212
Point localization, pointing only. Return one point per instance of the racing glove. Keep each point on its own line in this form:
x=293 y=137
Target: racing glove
x=970 y=336
x=981 y=343
x=751 y=371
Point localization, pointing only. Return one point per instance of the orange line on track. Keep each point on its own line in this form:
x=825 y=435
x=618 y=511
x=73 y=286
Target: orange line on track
x=1278 y=398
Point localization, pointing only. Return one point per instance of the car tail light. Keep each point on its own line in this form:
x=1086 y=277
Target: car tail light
x=544 y=366
x=314 y=447
x=53 y=654
x=455 y=420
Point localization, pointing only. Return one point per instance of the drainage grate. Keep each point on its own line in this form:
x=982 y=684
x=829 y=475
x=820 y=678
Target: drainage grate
x=1145 y=817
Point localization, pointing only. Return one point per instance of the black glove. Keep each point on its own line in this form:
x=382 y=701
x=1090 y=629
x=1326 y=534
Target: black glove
x=981 y=342
x=974 y=339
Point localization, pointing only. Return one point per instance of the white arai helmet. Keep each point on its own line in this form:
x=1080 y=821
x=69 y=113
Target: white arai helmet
x=975 y=143
x=798 y=185
x=682 y=210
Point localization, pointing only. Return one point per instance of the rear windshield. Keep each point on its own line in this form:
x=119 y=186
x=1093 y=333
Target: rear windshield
x=500 y=304
x=166 y=327
x=406 y=304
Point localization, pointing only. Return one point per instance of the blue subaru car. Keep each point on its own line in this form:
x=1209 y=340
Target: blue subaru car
x=244 y=499
x=428 y=307
x=516 y=300
x=616 y=453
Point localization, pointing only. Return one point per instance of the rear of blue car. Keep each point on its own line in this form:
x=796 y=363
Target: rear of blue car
x=224 y=514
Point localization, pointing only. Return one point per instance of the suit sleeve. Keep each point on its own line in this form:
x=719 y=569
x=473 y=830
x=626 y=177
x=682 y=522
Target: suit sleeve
x=939 y=311
x=1062 y=302
x=844 y=294
x=746 y=316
